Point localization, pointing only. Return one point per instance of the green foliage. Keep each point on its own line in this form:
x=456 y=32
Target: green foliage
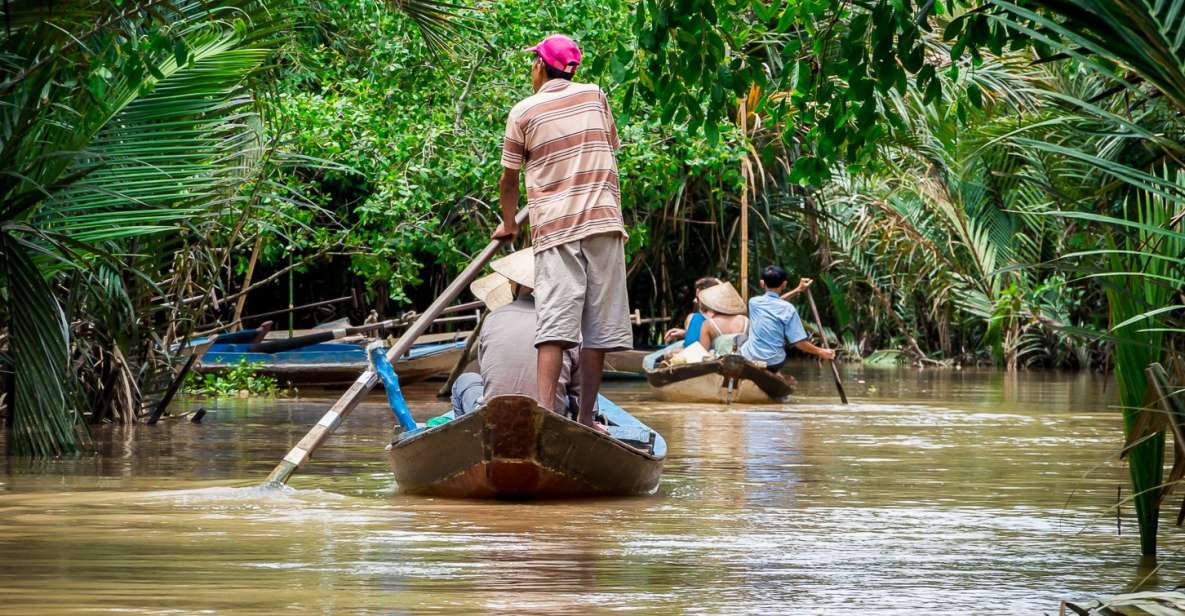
x=823 y=69
x=1138 y=299
x=415 y=138
x=886 y=357
x=1119 y=133
x=242 y=380
x=123 y=143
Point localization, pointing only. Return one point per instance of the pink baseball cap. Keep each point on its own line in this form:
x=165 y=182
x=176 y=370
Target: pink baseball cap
x=559 y=52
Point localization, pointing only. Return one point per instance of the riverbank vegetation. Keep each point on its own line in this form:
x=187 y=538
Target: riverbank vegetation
x=241 y=381
x=998 y=183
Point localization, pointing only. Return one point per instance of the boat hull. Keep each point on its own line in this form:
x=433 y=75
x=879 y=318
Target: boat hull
x=513 y=449
x=625 y=365
x=333 y=364
x=709 y=381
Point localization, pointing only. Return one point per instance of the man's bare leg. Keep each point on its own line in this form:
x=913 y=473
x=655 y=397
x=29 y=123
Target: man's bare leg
x=548 y=364
x=592 y=364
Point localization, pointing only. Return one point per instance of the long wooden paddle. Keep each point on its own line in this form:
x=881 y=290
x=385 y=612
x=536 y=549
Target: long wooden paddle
x=823 y=335
x=366 y=381
x=446 y=390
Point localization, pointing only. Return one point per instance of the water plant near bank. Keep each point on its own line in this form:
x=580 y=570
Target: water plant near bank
x=243 y=380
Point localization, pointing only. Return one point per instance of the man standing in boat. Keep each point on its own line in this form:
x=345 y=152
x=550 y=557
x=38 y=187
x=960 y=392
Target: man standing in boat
x=564 y=137
x=774 y=323
x=506 y=363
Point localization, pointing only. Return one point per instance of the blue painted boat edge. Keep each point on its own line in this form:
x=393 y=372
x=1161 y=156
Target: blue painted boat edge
x=422 y=350
x=323 y=353
x=621 y=417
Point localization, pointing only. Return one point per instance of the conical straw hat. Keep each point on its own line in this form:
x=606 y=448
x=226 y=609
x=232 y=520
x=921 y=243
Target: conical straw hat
x=494 y=290
x=518 y=267
x=722 y=298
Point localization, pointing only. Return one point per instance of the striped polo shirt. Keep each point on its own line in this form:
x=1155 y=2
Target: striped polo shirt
x=564 y=136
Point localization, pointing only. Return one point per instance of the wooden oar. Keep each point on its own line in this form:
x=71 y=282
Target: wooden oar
x=822 y=334
x=368 y=379
x=195 y=354
x=446 y=390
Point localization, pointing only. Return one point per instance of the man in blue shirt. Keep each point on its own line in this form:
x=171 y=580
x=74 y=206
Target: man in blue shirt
x=774 y=323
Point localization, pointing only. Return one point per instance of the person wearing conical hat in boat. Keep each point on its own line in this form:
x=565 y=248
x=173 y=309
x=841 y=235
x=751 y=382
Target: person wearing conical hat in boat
x=694 y=323
x=717 y=323
x=724 y=319
x=679 y=338
x=506 y=354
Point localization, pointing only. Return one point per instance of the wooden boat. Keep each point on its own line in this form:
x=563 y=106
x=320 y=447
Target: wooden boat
x=512 y=448
x=623 y=365
x=728 y=379
x=330 y=364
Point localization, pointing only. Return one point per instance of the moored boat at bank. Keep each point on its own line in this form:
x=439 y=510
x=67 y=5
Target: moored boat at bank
x=330 y=364
x=512 y=448
x=625 y=365
x=728 y=379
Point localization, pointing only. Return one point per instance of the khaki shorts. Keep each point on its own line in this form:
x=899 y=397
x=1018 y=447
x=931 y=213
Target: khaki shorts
x=580 y=294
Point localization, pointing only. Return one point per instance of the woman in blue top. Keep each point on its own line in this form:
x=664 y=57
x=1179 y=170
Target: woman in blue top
x=679 y=338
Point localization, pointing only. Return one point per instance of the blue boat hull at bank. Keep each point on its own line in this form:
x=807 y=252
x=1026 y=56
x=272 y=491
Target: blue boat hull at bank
x=332 y=363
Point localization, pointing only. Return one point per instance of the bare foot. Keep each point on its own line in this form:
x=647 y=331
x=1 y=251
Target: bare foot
x=594 y=424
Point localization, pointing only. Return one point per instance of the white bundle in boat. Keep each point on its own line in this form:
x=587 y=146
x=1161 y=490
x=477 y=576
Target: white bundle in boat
x=692 y=354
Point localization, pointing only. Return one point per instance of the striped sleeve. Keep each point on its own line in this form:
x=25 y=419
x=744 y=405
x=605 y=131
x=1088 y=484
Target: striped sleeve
x=513 y=144
x=610 y=124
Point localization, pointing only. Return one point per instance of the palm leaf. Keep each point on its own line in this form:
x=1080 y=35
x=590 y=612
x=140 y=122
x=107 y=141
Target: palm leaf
x=1147 y=37
x=42 y=424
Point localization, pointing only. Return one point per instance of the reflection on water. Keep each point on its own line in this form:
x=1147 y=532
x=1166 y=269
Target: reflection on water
x=935 y=491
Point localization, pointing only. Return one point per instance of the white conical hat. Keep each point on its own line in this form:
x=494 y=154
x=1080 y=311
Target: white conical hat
x=722 y=298
x=519 y=267
x=495 y=290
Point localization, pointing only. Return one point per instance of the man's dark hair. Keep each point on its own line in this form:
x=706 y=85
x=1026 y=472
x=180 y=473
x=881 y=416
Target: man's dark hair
x=774 y=276
x=555 y=73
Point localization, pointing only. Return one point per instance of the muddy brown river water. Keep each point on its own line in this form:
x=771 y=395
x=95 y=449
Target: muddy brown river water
x=935 y=492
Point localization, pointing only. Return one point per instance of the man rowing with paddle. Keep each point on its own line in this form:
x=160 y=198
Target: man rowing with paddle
x=774 y=323
x=564 y=137
x=506 y=359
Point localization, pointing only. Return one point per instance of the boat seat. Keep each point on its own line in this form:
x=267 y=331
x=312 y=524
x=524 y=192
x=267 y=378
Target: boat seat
x=632 y=436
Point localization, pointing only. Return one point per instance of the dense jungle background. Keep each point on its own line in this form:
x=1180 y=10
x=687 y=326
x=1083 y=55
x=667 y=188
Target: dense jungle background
x=969 y=183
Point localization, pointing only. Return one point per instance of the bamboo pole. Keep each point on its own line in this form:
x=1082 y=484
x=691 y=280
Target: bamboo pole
x=743 y=114
x=241 y=302
x=446 y=390
x=823 y=339
x=366 y=381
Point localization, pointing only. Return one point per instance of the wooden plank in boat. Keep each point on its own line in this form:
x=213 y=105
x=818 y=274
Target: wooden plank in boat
x=707 y=381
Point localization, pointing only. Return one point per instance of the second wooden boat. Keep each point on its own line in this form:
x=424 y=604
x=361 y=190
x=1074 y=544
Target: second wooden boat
x=330 y=364
x=512 y=448
x=729 y=379
x=624 y=365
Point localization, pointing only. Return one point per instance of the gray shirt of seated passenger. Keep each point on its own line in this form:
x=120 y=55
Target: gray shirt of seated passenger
x=506 y=354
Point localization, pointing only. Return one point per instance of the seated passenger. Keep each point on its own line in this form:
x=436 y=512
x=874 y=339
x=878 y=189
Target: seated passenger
x=724 y=319
x=694 y=323
x=679 y=338
x=506 y=344
x=774 y=323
